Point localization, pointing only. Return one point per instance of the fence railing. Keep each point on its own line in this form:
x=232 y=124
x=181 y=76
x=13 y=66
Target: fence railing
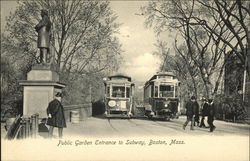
x=27 y=127
x=23 y=127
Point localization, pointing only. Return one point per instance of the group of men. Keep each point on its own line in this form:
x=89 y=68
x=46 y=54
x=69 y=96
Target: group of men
x=192 y=112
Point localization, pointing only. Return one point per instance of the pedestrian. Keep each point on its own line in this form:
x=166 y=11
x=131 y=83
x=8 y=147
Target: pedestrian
x=42 y=128
x=190 y=112
x=196 y=114
x=56 y=116
x=204 y=112
x=211 y=113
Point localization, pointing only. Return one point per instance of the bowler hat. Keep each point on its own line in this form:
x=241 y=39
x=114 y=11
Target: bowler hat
x=45 y=12
x=58 y=94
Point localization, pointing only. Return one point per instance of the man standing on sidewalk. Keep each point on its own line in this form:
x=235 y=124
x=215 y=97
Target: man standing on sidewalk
x=204 y=112
x=56 y=116
x=190 y=111
x=211 y=113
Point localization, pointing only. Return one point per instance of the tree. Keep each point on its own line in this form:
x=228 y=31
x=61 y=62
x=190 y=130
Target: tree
x=82 y=39
x=181 y=64
x=81 y=33
x=189 y=19
x=235 y=16
x=6 y=77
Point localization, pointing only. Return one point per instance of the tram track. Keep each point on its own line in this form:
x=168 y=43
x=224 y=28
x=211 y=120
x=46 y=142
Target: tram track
x=133 y=122
x=110 y=124
x=138 y=125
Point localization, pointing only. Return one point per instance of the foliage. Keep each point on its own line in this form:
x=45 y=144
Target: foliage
x=83 y=46
x=230 y=107
x=81 y=34
x=9 y=84
x=207 y=30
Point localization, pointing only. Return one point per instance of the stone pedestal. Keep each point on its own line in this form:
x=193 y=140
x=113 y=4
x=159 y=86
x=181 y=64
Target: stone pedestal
x=39 y=89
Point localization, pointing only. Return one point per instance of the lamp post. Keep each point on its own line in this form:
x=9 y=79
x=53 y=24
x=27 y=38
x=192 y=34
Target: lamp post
x=244 y=78
x=245 y=66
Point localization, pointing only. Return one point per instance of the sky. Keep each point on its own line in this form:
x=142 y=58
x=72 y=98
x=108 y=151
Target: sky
x=137 y=40
x=6 y=8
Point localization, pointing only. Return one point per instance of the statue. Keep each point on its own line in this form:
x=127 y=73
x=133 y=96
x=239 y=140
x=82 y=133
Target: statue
x=43 y=41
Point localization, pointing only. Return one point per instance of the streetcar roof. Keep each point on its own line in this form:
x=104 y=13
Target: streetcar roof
x=154 y=77
x=165 y=74
x=162 y=74
x=119 y=79
x=119 y=82
x=120 y=75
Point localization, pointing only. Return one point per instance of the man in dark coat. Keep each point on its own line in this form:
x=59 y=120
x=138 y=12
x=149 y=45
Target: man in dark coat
x=196 y=114
x=204 y=112
x=56 y=116
x=190 y=111
x=211 y=113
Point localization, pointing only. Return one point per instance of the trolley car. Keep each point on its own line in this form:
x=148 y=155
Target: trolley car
x=118 y=99
x=161 y=98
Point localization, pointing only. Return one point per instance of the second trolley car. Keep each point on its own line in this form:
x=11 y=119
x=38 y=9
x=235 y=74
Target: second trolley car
x=161 y=98
x=119 y=91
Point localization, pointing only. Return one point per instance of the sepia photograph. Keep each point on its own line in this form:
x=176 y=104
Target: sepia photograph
x=115 y=80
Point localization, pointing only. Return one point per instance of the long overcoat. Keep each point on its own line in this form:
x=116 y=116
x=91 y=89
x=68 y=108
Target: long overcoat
x=43 y=29
x=211 y=110
x=205 y=109
x=191 y=108
x=56 y=110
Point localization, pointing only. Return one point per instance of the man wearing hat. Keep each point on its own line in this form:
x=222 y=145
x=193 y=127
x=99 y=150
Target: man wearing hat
x=204 y=112
x=191 y=107
x=56 y=116
x=211 y=114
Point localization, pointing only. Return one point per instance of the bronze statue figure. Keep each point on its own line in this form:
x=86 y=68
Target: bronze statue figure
x=43 y=41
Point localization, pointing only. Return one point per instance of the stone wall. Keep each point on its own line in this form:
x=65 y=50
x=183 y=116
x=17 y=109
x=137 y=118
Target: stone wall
x=84 y=110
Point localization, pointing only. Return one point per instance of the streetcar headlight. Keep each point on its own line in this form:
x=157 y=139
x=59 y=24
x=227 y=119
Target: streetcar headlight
x=111 y=103
x=166 y=104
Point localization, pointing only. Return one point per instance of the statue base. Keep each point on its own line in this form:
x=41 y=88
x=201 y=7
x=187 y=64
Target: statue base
x=39 y=89
x=43 y=72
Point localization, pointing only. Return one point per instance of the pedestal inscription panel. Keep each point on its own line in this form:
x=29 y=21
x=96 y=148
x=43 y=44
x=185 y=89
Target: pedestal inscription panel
x=36 y=100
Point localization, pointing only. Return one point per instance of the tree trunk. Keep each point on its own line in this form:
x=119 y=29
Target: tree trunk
x=217 y=83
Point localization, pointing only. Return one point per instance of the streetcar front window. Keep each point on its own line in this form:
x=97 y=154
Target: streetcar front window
x=166 y=91
x=156 y=91
x=118 y=91
x=108 y=91
x=127 y=92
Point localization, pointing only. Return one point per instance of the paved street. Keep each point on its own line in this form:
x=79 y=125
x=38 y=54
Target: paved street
x=86 y=141
x=116 y=127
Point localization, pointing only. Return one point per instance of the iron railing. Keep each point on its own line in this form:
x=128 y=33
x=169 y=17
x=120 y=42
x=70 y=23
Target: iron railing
x=23 y=127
